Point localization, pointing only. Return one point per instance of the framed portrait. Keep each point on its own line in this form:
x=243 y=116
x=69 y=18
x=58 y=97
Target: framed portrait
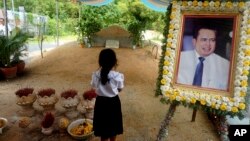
x=211 y=37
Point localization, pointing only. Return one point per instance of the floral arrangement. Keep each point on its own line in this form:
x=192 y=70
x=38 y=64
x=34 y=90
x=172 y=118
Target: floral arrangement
x=69 y=93
x=213 y=103
x=46 y=92
x=47 y=97
x=48 y=120
x=69 y=98
x=25 y=96
x=24 y=92
x=89 y=94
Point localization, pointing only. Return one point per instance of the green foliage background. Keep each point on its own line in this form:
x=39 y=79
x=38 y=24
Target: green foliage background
x=121 y=12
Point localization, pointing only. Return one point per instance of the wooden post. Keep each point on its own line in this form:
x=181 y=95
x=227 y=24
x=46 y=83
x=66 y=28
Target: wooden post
x=194 y=115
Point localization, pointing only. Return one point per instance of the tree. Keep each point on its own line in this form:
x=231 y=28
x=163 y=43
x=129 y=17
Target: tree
x=94 y=18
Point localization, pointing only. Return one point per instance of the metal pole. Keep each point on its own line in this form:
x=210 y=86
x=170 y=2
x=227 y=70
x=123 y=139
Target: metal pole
x=57 y=24
x=5 y=18
x=80 y=9
x=13 y=10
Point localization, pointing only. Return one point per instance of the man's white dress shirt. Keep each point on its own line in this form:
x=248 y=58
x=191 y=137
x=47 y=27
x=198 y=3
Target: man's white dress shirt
x=215 y=70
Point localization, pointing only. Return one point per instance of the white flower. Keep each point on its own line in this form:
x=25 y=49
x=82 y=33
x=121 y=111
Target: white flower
x=237 y=82
x=217 y=106
x=244 y=89
x=211 y=3
x=236 y=99
x=171 y=31
x=229 y=108
x=200 y=3
x=178 y=98
x=236 y=104
x=164 y=88
x=230 y=103
x=225 y=99
x=237 y=94
x=218 y=101
x=244 y=77
x=169 y=40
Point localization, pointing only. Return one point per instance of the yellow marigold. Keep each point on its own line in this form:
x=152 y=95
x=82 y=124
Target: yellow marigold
x=243 y=83
x=170 y=35
x=234 y=109
x=168 y=53
x=217 y=97
x=231 y=99
x=243 y=94
x=213 y=105
x=245 y=72
x=195 y=3
x=248 y=31
x=163 y=81
x=184 y=3
x=247 y=52
x=167 y=94
x=172 y=97
x=174 y=2
x=229 y=4
x=246 y=63
x=171 y=26
x=203 y=102
x=165 y=72
x=205 y=3
x=173 y=10
x=241 y=4
x=248 y=21
x=166 y=63
x=169 y=44
x=242 y=106
x=193 y=100
x=176 y=92
x=172 y=16
x=223 y=107
x=183 y=98
x=217 y=4
x=248 y=42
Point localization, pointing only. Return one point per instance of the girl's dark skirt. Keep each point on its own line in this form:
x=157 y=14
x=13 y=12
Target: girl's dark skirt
x=107 y=120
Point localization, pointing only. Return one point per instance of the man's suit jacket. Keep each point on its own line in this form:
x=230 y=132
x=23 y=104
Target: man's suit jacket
x=215 y=70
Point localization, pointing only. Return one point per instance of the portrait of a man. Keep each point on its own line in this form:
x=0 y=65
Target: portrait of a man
x=204 y=59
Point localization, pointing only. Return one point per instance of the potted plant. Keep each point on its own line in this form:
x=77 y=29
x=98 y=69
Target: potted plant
x=47 y=123
x=20 y=51
x=11 y=48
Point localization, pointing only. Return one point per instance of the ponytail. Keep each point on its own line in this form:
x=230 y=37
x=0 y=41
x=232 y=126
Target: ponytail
x=107 y=60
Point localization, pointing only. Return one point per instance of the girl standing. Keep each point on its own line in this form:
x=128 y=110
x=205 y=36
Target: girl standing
x=107 y=121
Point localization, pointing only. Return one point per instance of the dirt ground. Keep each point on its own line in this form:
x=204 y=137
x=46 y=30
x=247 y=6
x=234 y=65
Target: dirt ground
x=71 y=66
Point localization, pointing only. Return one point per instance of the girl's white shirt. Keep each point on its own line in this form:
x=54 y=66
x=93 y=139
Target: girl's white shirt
x=110 y=89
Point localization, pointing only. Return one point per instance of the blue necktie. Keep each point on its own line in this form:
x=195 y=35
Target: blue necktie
x=198 y=72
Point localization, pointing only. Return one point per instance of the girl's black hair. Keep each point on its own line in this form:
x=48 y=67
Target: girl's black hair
x=107 y=60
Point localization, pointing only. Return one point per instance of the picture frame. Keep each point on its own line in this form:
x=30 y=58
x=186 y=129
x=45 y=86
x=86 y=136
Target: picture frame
x=229 y=101
x=216 y=76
